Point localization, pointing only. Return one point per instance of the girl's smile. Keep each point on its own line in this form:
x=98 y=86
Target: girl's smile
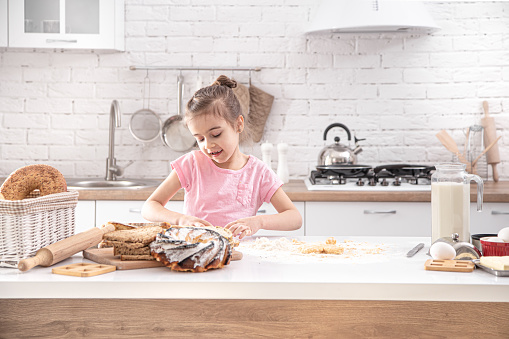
x=218 y=140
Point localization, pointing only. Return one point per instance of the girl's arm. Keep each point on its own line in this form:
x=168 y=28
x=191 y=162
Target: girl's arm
x=154 y=210
x=287 y=219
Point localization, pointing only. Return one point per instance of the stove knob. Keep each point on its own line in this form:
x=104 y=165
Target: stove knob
x=397 y=181
x=384 y=182
x=372 y=182
x=360 y=182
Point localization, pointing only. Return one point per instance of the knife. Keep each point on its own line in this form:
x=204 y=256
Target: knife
x=414 y=250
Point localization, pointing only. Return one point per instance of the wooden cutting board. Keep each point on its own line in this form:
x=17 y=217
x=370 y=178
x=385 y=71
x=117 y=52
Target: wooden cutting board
x=105 y=256
x=449 y=265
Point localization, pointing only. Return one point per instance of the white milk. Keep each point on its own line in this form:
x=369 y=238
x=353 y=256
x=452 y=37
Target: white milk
x=450 y=210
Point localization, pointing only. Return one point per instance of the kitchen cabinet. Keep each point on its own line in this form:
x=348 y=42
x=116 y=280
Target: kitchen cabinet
x=84 y=215
x=368 y=218
x=3 y=23
x=493 y=218
x=69 y=24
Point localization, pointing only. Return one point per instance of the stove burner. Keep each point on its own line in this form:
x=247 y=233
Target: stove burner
x=384 y=175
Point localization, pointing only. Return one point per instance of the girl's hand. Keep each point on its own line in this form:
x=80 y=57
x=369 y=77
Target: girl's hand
x=188 y=220
x=244 y=226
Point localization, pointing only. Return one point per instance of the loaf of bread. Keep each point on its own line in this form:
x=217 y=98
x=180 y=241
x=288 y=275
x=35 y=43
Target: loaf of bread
x=496 y=263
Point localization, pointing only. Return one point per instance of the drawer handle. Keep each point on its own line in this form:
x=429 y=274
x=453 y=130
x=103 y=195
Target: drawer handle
x=134 y=210
x=49 y=41
x=261 y=212
x=499 y=212
x=379 y=212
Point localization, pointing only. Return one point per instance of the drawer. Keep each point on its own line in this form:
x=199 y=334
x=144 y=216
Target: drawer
x=493 y=218
x=368 y=219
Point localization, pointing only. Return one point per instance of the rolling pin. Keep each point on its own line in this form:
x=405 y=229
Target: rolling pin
x=490 y=135
x=65 y=248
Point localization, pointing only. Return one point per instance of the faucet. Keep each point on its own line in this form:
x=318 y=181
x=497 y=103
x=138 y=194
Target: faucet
x=112 y=169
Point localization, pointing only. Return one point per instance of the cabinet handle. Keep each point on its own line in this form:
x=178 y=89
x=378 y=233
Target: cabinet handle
x=261 y=212
x=499 y=212
x=61 y=40
x=134 y=210
x=379 y=212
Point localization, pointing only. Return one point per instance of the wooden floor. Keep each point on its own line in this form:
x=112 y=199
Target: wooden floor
x=135 y=318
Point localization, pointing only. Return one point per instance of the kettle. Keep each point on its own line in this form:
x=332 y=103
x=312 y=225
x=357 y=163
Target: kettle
x=338 y=154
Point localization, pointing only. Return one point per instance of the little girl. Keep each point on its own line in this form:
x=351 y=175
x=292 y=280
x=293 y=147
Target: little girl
x=223 y=186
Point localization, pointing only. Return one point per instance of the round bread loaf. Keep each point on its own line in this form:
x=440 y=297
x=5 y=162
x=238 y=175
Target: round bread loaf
x=24 y=180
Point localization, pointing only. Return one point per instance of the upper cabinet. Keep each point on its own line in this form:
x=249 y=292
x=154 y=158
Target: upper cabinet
x=3 y=23
x=69 y=24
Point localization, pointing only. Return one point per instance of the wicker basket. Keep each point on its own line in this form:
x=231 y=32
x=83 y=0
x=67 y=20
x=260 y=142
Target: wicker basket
x=28 y=225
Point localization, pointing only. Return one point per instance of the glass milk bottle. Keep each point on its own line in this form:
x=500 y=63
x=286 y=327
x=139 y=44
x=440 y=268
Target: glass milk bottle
x=450 y=201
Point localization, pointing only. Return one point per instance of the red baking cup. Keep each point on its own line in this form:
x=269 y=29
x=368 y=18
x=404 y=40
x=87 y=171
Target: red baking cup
x=491 y=248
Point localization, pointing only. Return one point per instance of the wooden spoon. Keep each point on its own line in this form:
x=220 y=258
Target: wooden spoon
x=451 y=145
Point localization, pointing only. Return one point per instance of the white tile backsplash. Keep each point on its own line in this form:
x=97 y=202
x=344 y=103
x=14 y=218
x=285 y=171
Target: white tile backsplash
x=395 y=90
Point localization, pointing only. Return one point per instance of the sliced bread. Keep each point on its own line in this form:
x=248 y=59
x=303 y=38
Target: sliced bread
x=144 y=235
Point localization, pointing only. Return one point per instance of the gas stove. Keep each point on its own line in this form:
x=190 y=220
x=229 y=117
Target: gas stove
x=398 y=177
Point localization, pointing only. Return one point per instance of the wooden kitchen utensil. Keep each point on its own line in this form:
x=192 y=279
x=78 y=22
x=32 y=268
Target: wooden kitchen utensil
x=451 y=145
x=490 y=134
x=65 y=248
x=487 y=149
x=105 y=256
x=83 y=269
x=449 y=265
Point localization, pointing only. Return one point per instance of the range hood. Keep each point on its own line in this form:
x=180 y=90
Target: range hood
x=365 y=16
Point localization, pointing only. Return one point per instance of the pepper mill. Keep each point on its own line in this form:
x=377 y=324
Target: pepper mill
x=282 y=163
x=267 y=154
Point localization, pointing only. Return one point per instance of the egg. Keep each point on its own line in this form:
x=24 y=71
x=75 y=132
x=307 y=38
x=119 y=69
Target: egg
x=504 y=234
x=442 y=251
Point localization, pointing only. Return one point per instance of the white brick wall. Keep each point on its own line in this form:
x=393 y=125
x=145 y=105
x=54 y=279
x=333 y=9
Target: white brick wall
x=397 y=91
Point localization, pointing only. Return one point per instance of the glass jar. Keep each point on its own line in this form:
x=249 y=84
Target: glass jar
x=450 y=201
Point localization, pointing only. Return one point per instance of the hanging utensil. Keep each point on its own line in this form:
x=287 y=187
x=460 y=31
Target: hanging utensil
x=175 y=133
x=145 y=124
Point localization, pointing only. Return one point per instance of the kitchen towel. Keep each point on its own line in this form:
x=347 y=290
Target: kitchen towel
x=260 y=105
x=242 y=94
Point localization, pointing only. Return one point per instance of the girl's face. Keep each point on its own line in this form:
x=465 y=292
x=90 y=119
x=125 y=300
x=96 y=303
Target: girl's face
x=217 y=139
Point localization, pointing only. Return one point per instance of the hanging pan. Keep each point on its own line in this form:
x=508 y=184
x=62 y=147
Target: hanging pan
x=175 y=133
x=145 y=124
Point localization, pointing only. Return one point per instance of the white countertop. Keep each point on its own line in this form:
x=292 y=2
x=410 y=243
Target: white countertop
x=387 y=276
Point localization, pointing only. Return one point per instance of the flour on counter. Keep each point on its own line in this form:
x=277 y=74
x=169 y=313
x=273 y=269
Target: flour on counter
x=284 y=250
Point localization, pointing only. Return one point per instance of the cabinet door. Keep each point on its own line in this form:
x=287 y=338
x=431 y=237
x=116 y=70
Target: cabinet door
x=89 y=24
x=269 y=209
x=3 y=23
x=493 y=218
x=84 y=215
x=369 y=219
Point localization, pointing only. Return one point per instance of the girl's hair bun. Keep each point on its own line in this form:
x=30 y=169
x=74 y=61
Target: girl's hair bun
x=223 y=80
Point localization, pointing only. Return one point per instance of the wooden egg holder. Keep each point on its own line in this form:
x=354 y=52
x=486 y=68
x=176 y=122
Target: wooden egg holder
x=449 y=265
x=83 y=269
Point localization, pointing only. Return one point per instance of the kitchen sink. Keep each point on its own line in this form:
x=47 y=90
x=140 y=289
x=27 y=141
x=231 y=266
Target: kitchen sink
x=101 y=184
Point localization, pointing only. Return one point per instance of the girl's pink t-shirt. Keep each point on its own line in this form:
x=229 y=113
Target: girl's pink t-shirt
x=221 y=195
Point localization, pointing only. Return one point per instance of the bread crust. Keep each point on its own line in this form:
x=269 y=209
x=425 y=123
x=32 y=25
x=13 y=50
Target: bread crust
x=21 y=182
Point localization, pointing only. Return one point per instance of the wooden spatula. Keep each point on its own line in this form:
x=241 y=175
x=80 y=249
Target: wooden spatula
x=490 y=135
x=451 y=145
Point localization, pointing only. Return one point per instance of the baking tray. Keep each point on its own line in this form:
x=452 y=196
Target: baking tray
x=498 y=273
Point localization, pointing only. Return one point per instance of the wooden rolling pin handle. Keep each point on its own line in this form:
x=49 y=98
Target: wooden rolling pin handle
x=41 y=257
x=65 y=248
x=495 y=172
